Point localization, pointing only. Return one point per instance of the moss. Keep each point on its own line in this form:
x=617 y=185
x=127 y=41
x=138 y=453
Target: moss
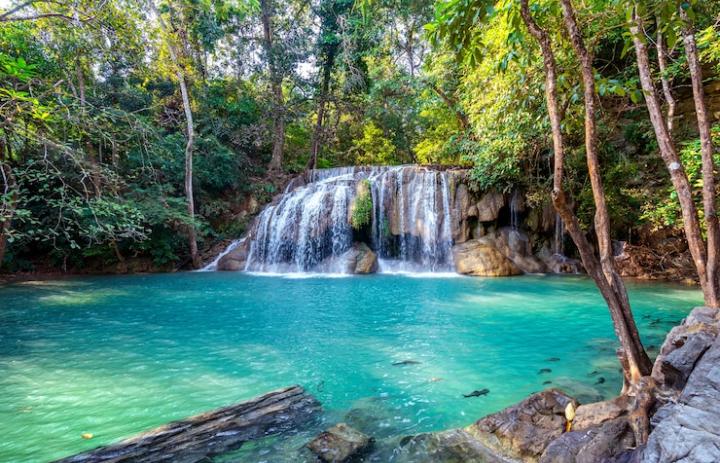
x=362 y=207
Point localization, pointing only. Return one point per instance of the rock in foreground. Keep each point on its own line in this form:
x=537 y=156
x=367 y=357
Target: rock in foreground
x=202 y=436
x=523 y=431
x=339 y=443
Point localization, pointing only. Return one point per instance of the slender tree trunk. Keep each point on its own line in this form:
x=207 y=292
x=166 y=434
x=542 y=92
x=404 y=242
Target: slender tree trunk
x=708 y=164
x=7 y=207
x=669 y=154
x=278 y=102
x=184 y=93
x=633 y=365
x=452 y=104
x=317 y=134
x=81 y=83
x=602 y=218
x=667 y=90
x=322 y=107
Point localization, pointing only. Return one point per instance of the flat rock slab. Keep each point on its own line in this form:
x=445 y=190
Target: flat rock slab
x=199 y=437
x=339 y=443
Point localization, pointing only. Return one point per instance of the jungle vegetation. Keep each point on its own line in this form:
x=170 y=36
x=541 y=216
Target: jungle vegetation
x=139 y=129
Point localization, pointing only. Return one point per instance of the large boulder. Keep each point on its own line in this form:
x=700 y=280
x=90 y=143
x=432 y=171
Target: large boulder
x=524 y=430
x=515 y=245
x=339 y=443
x=235 y=259
x=478 y=258
x=360 y=259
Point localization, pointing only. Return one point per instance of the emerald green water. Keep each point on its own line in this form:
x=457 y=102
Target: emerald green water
x=114 y=356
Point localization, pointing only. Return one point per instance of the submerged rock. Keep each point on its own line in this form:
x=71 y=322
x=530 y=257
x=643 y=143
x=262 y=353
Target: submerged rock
x=478 y=258
x=339 y=443
x=455 y=446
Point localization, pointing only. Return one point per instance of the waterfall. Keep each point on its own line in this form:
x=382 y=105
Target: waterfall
x=308 y=228
x=212 y=266
x=514 y=206
x=558 y=245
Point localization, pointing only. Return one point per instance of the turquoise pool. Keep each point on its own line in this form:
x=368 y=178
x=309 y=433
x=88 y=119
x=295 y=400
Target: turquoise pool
x=113 y=356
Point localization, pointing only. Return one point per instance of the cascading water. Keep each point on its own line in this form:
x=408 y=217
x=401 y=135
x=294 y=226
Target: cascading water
x=309 y=229
x=559 y=239
x=212 y=266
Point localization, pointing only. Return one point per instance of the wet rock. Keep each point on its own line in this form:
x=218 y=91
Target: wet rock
x=339 y=443
x=360 y=259
x=523 y=431
x=235 y=259
x=477 y=258
x=515 y=245
x=452 y=446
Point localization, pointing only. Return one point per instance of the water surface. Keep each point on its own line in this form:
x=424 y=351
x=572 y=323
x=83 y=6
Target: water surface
x=117 y=355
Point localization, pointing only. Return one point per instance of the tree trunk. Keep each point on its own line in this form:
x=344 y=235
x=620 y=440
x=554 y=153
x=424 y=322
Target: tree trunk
x=708 y=164
x=452 y=104
x=322 y=107
x=275 y=88
x=634 y=368
x=637 y=357
x=7 y=209
x=667 y=90
x=669 y=154
x=184 y=93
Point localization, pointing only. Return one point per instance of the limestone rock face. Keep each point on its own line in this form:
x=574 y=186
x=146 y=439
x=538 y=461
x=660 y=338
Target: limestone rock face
x=683 y=346
x=339 y=443
x=360 y=259
x=523 y=431
x=478 y=258
x=489 y=206
x=235 y=259
x=689 y=430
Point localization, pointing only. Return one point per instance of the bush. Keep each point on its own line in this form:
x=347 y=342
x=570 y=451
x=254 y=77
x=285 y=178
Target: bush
x=362 y=207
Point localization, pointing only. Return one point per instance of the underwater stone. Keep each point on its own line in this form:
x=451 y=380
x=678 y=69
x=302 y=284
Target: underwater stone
x=339 y=443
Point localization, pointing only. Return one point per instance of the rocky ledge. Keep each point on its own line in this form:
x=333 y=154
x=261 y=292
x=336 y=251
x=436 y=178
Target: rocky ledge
x=685 y=422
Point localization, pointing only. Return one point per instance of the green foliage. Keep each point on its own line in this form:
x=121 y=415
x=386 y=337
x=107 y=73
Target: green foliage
x=361 y=214
x=374 y=147
x=665 y=211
